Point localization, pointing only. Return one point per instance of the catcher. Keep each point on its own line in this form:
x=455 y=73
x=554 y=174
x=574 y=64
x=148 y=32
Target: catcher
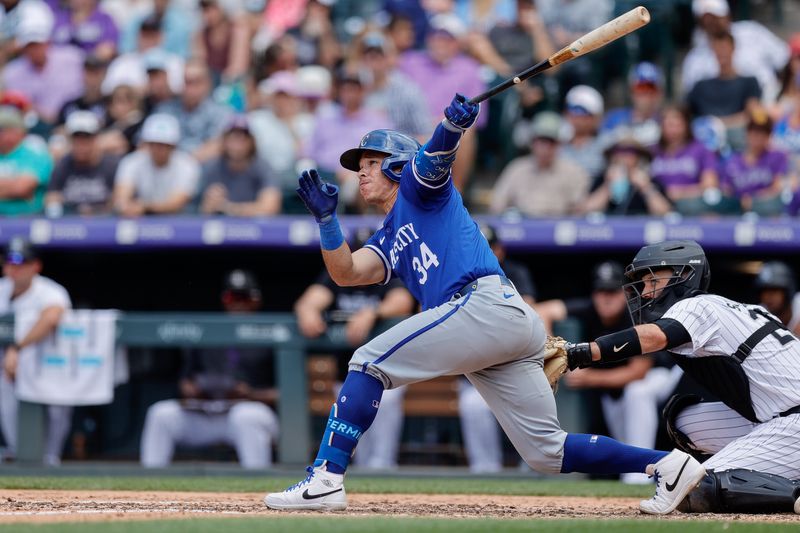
x=740 y=353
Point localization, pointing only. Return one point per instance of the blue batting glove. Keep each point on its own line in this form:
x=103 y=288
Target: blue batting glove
x=320 y=197
x=460 y=113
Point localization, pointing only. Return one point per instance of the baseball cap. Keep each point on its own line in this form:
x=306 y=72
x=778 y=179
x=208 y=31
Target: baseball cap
x=238 y=122
x=608 y=276
x=19 y=250
x=448 y=23
x=11 y=117
x=93 y=61
x=546 y=125
x=718 y=8
x=36 y=21
x=584 y=100
x=645 y=73
x=151 y=23
x=82 y=122
x=374 y=41
x=33 y=34
x=161 y=128
x=628 y=144
x=155 y=59
x=313 y=81
x=283 y=81
x=242 y=282
x=759 y=119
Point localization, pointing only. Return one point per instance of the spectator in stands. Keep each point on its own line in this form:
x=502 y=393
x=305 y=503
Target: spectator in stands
x=404 y=33
x=48 y=75
x=568 y=20
x=160 y=179
x=226 y=394
x=584 y=110
x=543 y=183
x=444 y=61
x=201 y=118
x=729 y=95
x=324 y=305
x=239 y=183
x=223 y=41
x=339 y=126
x=757 y=176
x=92 y=99
x=24 y=290
x=315 y=37
x=626 y=187
x=83 y=180
x=390 y=91
x=281 y=126
x=314 y=84
x=131 y=68
x=682 y=166
x=26 y=167
x=125 y=118
x=158 y=90
x=789 y=94
x=777 y=293
x=642 y=119
x=758 y=51
x=175 y=20
x=81 y=23
x=479 y=427
x=631 y=390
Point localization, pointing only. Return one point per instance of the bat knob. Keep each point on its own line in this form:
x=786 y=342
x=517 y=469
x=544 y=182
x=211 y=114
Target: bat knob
x=517 y=80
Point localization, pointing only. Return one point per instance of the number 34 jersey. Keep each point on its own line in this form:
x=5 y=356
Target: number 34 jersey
x=430 y=241
x=718 y=326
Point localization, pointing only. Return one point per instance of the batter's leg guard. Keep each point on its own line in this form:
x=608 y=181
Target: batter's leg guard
x=676 y=404
x=742 y=491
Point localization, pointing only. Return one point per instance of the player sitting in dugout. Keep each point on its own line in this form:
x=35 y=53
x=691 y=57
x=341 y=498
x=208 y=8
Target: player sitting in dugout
x=740 y=353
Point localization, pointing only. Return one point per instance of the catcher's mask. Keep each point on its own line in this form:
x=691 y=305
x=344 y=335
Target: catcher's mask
x=689 y=276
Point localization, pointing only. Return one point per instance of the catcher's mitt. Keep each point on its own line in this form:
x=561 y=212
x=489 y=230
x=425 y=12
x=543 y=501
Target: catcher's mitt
x=555 y=360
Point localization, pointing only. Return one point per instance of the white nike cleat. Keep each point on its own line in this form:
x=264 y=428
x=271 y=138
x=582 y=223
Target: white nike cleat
x=797 y=506
x=676 y=475
x=320 y=490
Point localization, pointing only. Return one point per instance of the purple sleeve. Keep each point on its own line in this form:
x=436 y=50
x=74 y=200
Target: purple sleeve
x=708 y=160
x=780 y=163
x=110 y=31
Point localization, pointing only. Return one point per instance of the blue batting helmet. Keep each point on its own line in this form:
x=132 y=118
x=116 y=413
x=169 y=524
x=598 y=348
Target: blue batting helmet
x=398 y=147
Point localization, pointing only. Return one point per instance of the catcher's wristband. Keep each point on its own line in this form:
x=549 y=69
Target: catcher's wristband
x=579 y=355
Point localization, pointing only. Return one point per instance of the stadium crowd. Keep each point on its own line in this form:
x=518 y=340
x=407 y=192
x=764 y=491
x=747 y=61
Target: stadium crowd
x=138 y=107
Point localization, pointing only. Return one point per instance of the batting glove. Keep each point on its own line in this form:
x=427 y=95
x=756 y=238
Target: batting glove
x=460 y=113
x=320 y=197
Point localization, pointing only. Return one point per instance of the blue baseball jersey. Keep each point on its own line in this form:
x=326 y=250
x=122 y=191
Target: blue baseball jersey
x=430 y=241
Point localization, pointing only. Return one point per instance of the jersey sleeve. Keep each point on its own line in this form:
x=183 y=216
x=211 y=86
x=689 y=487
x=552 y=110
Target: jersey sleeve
x=697 y=317
x=427 y=180
x=378 y=243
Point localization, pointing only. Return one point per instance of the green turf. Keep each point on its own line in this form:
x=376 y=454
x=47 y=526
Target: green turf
x=390 y=485
x=334 y=524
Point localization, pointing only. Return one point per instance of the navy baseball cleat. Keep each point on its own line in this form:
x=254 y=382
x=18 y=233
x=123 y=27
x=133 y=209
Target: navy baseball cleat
x=320 y=490
x=676 y=475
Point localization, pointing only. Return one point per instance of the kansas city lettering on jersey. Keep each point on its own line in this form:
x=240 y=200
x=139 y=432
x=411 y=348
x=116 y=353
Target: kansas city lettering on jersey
x=405 y=236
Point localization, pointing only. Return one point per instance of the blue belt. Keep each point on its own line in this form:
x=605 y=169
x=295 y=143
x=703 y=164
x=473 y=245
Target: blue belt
x=473 y=285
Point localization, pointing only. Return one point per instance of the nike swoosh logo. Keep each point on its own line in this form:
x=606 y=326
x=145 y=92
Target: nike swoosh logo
x=621 y=347
x=381 y=240
x=671 y=487
x=307 y=496
x=507 y=296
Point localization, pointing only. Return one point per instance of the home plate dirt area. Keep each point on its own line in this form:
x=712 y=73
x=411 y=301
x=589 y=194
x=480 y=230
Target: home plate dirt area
x=38 y=506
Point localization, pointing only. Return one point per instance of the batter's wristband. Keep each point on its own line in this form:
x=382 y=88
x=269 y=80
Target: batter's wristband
x=330 y=234
x=619 y=345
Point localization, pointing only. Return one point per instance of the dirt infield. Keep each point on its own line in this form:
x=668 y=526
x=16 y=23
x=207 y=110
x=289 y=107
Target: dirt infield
x=36 y=506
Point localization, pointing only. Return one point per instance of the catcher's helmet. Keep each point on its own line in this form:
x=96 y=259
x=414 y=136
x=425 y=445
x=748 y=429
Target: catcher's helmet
x=776 y=275
x=691 y=275
x=398 y=147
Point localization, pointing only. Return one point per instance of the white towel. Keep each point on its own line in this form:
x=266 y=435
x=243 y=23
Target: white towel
x=76 y=364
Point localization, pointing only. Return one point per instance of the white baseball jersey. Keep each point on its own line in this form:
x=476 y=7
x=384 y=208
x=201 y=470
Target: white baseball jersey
x=718 y=327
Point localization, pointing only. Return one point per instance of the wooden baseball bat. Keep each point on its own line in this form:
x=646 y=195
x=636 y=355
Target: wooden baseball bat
x=597 y=38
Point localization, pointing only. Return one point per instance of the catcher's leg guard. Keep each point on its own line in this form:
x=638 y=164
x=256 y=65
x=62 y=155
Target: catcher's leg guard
x=742 y=491
x=676 y=404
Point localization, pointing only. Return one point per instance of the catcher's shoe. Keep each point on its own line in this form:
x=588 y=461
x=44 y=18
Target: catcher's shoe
x=320 y=490
x=676 y=475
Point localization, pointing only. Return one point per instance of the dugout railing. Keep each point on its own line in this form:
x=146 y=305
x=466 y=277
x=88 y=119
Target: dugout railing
x=277 y=331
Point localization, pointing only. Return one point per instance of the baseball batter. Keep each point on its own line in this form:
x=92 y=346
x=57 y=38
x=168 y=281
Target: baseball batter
x=473 y=322
x=741 y=353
